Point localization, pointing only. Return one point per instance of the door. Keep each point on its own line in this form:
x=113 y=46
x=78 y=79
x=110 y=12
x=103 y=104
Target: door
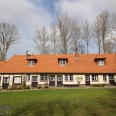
x=87 y=80
x=5 y=82
x=111 y=80
x=59 y=81
x=52 y=81
x=34 y=81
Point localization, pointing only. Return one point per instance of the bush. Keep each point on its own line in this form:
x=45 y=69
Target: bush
x=16 y=87
x=39 y=86
x=46 y=85
x=27 y=87
x=100 y=85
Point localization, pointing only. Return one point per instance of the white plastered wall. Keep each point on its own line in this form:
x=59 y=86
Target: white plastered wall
x=74 y=79
x=100 y=80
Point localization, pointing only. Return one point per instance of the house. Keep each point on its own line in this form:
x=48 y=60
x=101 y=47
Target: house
x=58 y=69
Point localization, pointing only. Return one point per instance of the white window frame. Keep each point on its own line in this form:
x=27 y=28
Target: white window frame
x=43 y=78
x=34 y=77
x=95 y=78
x=111 y=77
x=59 y=78
x=69 y=78
x=17 y=80
x=62 y=62
x=6 y=80
x=101 y=62
x=66 y=78
x=104 y=77
x=31 y=62
x=28 y=77
x=52 y=78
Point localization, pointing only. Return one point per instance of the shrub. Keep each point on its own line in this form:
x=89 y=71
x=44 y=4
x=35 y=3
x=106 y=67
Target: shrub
x=16 y=87
x=39 y=86
x=100 y=85
x=27 y=87
x=45 y=85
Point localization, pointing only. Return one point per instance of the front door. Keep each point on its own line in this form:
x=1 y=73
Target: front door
x=5 y=83
x=52 y=81
x=87 y=80
x=34 y=81
x=59 y=81
x=111 y=80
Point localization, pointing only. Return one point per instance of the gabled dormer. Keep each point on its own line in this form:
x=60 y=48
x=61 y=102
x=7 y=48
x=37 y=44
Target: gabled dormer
x=100 y=59
x=62 y=60
x=31 y=59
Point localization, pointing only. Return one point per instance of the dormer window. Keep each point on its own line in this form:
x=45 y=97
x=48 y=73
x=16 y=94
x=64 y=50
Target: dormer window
x=62 y=62
x=100 y=62
x=31 y=62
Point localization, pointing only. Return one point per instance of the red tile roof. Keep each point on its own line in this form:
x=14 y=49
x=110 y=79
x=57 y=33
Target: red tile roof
x=49 y=64
x=2 y=62
x=99 y=56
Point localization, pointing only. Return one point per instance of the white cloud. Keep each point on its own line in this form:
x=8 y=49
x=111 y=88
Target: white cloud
x=85 y=9
x=26 y=17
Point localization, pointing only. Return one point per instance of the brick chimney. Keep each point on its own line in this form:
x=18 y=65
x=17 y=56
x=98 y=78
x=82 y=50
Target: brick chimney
x=76 y=53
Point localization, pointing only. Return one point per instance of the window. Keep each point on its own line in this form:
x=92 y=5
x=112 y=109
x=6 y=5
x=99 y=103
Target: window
x=94 y=77
x=100 y=62
x=17 y=80
x=71 y=77
x=52 y=78
x=87 y=78
x=43 y=78
x=59 y=78
x=104 y=78
x=68 y=78
x=62 y=62
x=6 y=80
x=111 y=77
x=34 y=78
x=28 y=78
x=31 y=63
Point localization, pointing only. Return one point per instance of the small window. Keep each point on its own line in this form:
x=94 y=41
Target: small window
x=6 y=80
x=17 y=80
x=111 y=77
x=59 y=78
x=31 y=63
x=62 y=62
x=104 y=78
x=28 y=78
x=94 y=77
x=71 y=78
x=34 y=78
x=43 y=78
x=52 y=78
x=100 y=62
x=66 y=78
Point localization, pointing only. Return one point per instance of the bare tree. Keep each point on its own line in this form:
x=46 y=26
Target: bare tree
x=105 y=25
x=65 y=31
x=86 y=35
x=41 y=40
x=9 y=35
x=54 y=37
x=110 y=47
x=114 y=22
x=76 y=34
x=96 y=29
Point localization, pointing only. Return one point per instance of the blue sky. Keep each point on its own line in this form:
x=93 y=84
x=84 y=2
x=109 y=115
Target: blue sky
x=28 y=14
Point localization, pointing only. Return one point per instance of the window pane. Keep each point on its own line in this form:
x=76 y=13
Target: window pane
x=17 y=79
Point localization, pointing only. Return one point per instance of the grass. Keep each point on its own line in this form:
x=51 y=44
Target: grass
x=61 y=102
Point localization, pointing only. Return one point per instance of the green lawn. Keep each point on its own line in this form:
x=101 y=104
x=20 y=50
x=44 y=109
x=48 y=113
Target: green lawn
x=61 y=102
